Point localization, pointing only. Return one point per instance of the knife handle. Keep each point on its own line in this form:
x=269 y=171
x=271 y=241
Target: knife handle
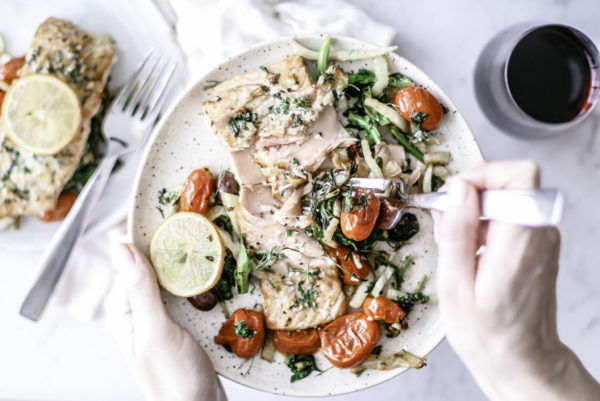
x=535 y=208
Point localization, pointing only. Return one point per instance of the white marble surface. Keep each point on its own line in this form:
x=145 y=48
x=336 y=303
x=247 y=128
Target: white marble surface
x=62 y=358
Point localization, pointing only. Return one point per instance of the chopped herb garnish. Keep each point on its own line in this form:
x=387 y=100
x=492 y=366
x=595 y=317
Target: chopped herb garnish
x=240 y=122
x=267 y=259
x=306 y=296
x=408 y=301
x=301 y=366
x=242 y=330
x=211 y=84
x=418 y=118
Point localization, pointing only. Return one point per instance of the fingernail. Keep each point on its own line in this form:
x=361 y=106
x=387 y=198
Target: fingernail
x=457 y=192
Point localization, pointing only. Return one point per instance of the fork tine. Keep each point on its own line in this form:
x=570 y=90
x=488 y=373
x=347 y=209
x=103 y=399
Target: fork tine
x=141 y=87
x=159 y=93
x=125 y=92
x=143 y=103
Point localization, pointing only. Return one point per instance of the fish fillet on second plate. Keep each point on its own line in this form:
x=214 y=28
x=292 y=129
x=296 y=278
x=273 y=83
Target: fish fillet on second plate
x=29 y=183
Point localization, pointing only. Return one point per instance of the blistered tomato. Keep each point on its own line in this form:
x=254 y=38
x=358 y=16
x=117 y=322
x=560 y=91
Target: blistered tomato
x=63 y=205
x=358 y=223
x=298 y=342
x=383 y=309
x=8 y=71
x=244 y=332
x=349 y=340
x=354 y=267
x=413 y=100
x=196 y=190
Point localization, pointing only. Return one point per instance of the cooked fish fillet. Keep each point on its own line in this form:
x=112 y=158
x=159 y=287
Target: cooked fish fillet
x=277 y=107
x=280 y=127
x=30 y=183
x=301 y=263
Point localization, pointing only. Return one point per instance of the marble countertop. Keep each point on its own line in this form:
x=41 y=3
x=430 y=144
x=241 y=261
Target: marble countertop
x=62 y=358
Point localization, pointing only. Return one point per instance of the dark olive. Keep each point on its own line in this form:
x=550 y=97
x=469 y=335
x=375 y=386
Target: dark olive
x=228 y=184
x=389 y=213
x=205 y=301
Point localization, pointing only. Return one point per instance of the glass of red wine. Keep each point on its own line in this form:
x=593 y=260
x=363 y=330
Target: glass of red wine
x=538 y=80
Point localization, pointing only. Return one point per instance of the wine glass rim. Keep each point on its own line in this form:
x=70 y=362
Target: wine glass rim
x=593 y=58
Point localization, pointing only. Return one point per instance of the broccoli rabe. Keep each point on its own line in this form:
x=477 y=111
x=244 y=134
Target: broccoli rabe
x=301 y=366
x=227 y=280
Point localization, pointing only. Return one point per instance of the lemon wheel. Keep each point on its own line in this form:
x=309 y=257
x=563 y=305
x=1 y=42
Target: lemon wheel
x=41 y=114
x=187 y=253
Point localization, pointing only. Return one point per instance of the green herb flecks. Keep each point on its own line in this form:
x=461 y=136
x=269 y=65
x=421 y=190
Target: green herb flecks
x=166 y=199
x=418 y=118
x=306 y=298
x=301 y=366
x=211 y=84
x=408 y=301
x=242 y=330
x=267 y=259
x=399 y=271
x=240 y=122
x=318 y=204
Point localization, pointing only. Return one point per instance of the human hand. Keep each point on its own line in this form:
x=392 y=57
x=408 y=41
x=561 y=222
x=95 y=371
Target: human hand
x=499 y=308
x=167 y=361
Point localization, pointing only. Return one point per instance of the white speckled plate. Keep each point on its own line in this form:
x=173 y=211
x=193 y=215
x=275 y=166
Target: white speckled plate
x=183 y=142
x=137 y=27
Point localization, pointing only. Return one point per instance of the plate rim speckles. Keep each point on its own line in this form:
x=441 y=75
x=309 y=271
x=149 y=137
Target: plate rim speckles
x=164 y=165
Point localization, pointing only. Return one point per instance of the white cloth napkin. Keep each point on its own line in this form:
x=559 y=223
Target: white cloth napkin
x=208 y=31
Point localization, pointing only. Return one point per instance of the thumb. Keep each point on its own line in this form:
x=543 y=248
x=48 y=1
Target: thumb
x=456 y=232
x=141 y=288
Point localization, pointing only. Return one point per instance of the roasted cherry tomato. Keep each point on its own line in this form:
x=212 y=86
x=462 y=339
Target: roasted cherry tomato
x=354 y=268
x=358 y=223
x=418 y=100
x=2 y=94
x=383 y=309
x=8 y=71
x=246 y=338
x=63 y=205
x=349 y=340
x=298 y=342
x=196 y=191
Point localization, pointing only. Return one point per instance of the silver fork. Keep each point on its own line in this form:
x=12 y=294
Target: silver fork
x=125 y=127
x=536 y=207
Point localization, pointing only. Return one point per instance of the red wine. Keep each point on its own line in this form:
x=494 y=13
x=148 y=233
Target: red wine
x=549 y=74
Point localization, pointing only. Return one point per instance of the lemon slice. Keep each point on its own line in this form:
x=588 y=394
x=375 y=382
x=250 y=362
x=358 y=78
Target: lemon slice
x=187 y=252
x=41 y=114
